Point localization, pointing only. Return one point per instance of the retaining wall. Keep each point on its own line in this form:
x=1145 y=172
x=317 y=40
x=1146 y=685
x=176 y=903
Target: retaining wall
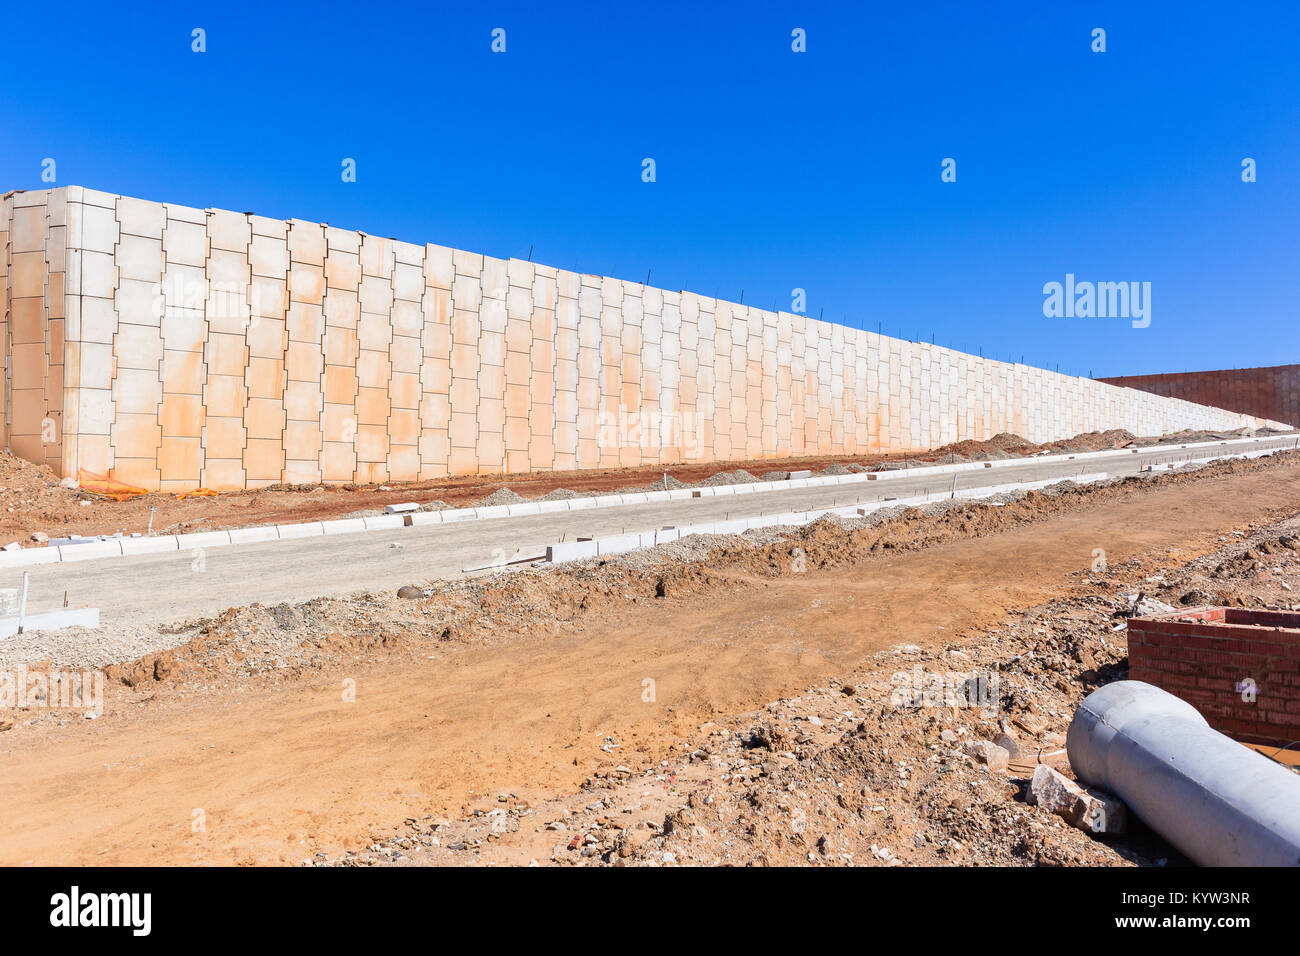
x=170 y=347
x=1272 y=392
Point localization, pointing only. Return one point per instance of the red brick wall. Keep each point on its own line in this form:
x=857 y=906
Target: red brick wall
x=1203 y=662
x=1272 y=392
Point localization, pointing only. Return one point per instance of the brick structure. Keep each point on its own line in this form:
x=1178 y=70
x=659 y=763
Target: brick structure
x=170 y=347
x=1272 y=392
x=1240 y=668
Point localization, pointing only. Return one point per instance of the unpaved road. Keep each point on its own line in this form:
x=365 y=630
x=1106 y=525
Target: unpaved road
x=277 y=773
x=148 y=589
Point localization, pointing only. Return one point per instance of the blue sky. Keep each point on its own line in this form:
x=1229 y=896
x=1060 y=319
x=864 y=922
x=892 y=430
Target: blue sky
x=775 y=169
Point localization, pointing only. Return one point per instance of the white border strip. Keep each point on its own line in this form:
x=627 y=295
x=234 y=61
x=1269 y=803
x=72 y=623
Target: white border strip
x=623 y=543
x=118 y=547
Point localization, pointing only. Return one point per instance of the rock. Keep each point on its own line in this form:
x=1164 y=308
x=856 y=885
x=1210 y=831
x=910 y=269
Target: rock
x=410 y=591
x=40 y=537
x=1093 y=811
x=1029 y=724
x=1194 y=598
x=69 y=483
x=284 y=616
x=1289 y=541
x=1150 y=607
x=1053 y=791
x=1096 y=811
x=1008 y=743
x=987 y=752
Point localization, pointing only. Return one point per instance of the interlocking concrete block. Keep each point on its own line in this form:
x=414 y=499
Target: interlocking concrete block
x=229 y=231
x=438 y=267
x=185 y=243
x=342 y=270
x=180 y=458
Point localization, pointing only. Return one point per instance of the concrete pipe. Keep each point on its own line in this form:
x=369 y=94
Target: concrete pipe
x=1218 y=802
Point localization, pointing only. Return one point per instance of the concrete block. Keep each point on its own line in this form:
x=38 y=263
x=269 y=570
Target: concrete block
x=203 y=539
x=309 y=529
x=571 y=551
x=95 y=549
x=51 y=620
x=253 y=535
x=150 y=545
x=380 y=522
x=618 y=544
x=732 y=526
x=343 y=526
x=28 y=556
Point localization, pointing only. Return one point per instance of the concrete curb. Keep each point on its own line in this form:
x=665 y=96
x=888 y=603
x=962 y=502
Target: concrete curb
x=623 y=543
x=119 y=547
x=51 y=620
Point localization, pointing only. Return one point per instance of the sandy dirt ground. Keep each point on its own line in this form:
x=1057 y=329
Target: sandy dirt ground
x=34 y=503
x=539 y=686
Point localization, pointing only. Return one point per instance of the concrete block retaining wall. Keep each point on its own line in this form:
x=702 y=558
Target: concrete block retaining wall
x=171 y=348
x=1272 y=392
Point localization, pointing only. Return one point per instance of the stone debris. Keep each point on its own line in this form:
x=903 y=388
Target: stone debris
x=1091 y=810
x=987 y=752
x=502 y=496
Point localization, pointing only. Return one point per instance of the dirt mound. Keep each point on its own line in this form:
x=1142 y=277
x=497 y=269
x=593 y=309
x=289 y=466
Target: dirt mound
x=665 y=483
x=1000 y=446
x=558 y=494
x=502 y=496
x=737 y=477
x=1095 y=441
x=32 y=500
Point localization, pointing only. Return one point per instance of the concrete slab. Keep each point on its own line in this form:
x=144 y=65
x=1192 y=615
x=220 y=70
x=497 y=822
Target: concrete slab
x=51 y=621
x=310 y=529
x=151 y=545
x=88 y=552
x=203 y=539
x=250 y=535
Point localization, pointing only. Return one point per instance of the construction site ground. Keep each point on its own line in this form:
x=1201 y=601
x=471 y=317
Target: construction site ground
x=730 y=700
x=35 y=505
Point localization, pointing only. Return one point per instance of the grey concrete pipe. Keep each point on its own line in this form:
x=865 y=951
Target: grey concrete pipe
x=1218 y=802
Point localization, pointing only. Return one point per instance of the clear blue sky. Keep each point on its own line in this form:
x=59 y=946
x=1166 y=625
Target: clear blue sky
x=776 y=170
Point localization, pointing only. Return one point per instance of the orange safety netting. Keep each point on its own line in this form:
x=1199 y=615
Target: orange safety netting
x=121 y=491
x=196 y=493
x=106 y=486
